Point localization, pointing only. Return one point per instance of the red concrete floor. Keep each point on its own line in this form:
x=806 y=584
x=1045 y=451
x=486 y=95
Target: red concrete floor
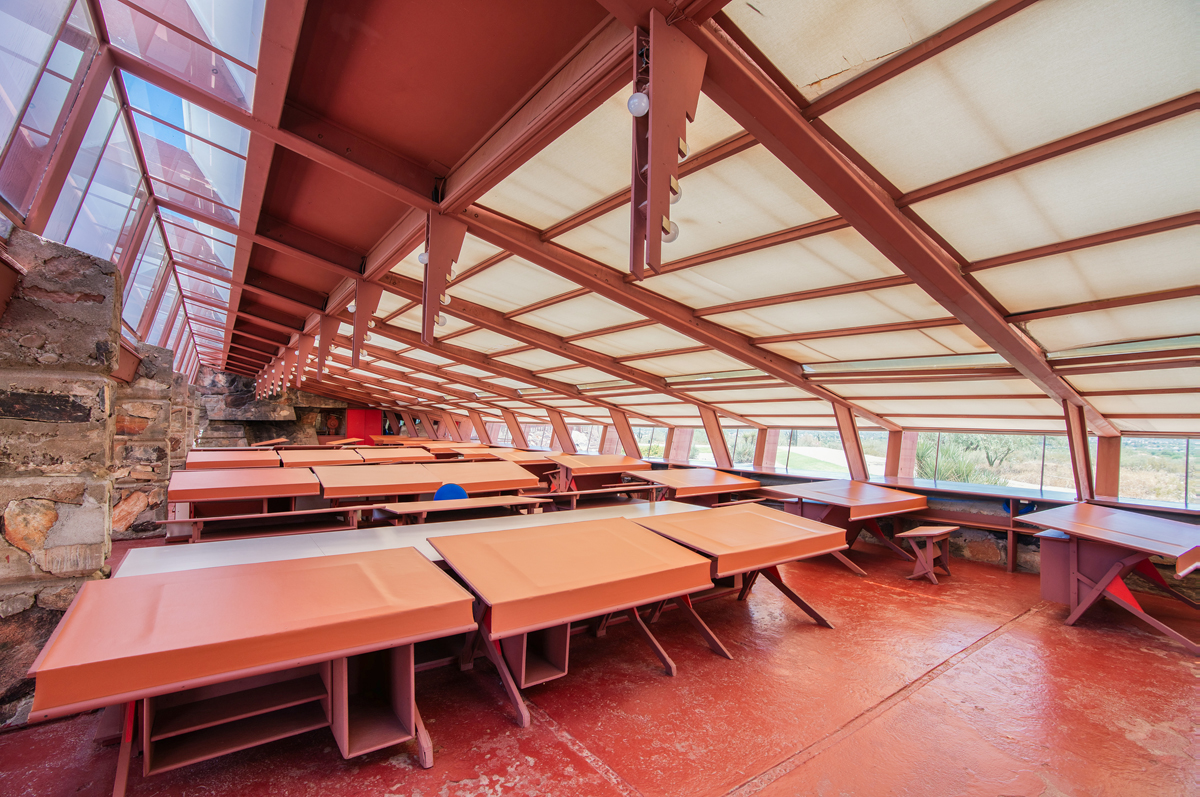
x=973 y=687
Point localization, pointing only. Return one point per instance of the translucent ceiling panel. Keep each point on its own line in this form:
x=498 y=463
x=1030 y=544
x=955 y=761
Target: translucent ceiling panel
x=1052 y=70
x=901 y=343
x=34 y=139
x=113 y=190
x=772 y=407
x=981 y=387
x=537 y=360
x=1188 y=426
x=835 y=258
x=28 y=29
x=643 y=340
x=820 y=44
x=579 y=315
x=1150 y=174
x=187 y=47
x=83 y=167
x=747 y=395
x=885 y=306
x=1153 y=404
x=163 y=315
x=988 y=424
x=474 y=251
x=486 y=341
x=965 y=405
x=202 y=288
x=1139 y=265
x=744 y=196
x=1150 y=320
x=590 y=162
x=706 y=362
x=1137 y=380
x=510 y=284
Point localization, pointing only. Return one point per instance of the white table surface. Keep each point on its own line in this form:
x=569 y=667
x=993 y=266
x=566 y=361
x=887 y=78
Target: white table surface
x=194 y=556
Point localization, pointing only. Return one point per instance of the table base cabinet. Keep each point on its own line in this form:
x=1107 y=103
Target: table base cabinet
x=373 y=700
x=537 y=656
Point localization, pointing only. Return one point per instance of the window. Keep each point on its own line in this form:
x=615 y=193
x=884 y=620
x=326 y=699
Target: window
x=586 y=438
x=652 y=440
x=741 y=444
x=142 y=280
x=814 y=450
x=874 y=446
x=700 y=451
x=500 y=434
x=538 y=435
x=1160 y=469
x=1011 y=460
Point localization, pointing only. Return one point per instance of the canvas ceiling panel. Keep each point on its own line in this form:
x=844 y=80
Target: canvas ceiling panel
x=1187 y=426
x=427 y=357
x=1164 y=403
x=741 y=197
x=902 y=343
x=580 y=376
x=1050 y=71
x=672 y=411
x=963 y=406
x=820 y=44
x=643 y=340
x=411 y=321
x=486 y=341
x=1133 y=322
x=510 y=284
x=468 y=370
x=389 y=303
x=1137 y=380
x=981 y=387
x=749 y=394
x=1141 y=176
x=642 y=398
x=774 y=407
x=793 y=422
x=579 y=315
x=886 y=306
x=701 y=362
x=1125 y=268
x=987 y=424
x=536 y=360
x=800 y=352
x=834 y=258
x=514 y=384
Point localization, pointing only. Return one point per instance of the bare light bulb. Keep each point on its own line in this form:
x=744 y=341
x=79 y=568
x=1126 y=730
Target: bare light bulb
x=445 y=298
x=371 y=324
x=669 y=237
x=453 y=274
x=639 y=104
x=423 y=258
x=350 y=308
x=440 y=320
x=677 y=194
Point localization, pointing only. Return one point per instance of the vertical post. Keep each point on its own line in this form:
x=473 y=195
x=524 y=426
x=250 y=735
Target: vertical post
x=1081 y=463
x=480 y=427
x=409 y=426
x=393 y=421
x=561 y=433
x=667 y=444
x=681 y=444
x=766 y=448
x=514 y=428
x=1108 y=466
x=851 y=445
x=625 y=433
x=451 y=424
x=716 y=438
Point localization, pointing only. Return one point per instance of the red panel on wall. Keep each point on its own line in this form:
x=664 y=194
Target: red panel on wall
x=364 y=423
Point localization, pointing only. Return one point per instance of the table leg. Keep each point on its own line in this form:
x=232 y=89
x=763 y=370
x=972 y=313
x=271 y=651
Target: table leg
x=1147 y=569
x=1099 y=586
x=841 y=557
x=510 y=686
x=641 y=628
x=684 y=602
x=599 y=626
x=772 y=575
x=424 y=743
x=126 y=750
x=748 y=580
x=924 y=567
x=886 y=540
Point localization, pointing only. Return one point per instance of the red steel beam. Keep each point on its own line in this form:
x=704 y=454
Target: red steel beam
x=899 y=326
x=812 y=293
x=1105 y=304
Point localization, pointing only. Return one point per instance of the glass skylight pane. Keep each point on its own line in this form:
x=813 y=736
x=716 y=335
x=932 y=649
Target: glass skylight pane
x=90 y=150
x=191 y=61
x=165 y=305
x=27 y=32
x=141 y=285
x=191 y=163
x=105 y=209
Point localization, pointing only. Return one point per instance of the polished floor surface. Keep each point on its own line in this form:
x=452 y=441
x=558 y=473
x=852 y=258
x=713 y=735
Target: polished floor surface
x=973 y=687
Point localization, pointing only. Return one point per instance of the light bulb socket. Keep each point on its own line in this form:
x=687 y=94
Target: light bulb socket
x=440 y=320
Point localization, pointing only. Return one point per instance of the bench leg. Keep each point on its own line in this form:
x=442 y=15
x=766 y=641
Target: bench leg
x=126 y=751
x=685 y=602
x=924 y=565
x=772 y=575
x=641 y=628
x=944 y=557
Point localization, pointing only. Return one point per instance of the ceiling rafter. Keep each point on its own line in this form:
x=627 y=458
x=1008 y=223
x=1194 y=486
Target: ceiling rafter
x=1105 y=304
x=811 y=293
x=872 y=329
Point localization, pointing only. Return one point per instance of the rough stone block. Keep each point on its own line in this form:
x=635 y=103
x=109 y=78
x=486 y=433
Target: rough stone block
x=21 y=638
x=58 y=598
x=126 y=511
x=54 y=423
x=15 y=604
x=28 y=522
x=15 y=564
x=67 y=301
x=72 y=560
x=141 y=418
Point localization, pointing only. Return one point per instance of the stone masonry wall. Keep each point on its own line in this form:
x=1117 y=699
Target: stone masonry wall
x=234 y=417
x=141 y=459
x=58 y=346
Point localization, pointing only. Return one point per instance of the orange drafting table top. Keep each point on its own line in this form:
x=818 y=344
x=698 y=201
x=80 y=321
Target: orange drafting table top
x=274 y=441
x=396 y=440
x=359 y=481
x=1143 y=533
x=474 y=452
x=457 y=504
x=748 y=536
x=483 y=477
x=309 y=458
x=549 y=575
x=592 y=464
x=229 y=485
x=384 y=454
x=128 y=638
x=864 y=500
x=345 y=441
x=520 y=456
x=697 y=481
x=234 y=458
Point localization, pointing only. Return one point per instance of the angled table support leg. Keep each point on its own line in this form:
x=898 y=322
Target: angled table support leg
x=841 y=557
x=126 y=750
x=1137 y=611
x=1146 y=568
x=748 y=580
x=1098 y=587
x=492 y=651
x=772 y=575
x=424 y=743
x=886 y=540
x=641 y=628
x=684 y=602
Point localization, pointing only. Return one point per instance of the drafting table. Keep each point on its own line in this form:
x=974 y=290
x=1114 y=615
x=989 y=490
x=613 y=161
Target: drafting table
x=532 y=583
x=418 y=510
x=703 y=485
x=252 y=653
x=393 y=454
x=231 y=458
x=307 y=458
x=849 y=504
x=592 y=471
x=364 y=481
x=752 y=540
x=218 y=489
x=483 y=477
x=536 y=462
x=274 y=441
x=176 y=558
x=1090 y=549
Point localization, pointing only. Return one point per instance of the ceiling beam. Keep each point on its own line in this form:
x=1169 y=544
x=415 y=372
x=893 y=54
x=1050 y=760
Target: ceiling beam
x=900 y=326
x=801 y=296
x=1105 y=304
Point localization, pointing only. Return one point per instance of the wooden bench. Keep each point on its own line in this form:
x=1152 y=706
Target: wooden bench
x=416 y=511
x=272 y=524
x=572 y=496
x=936 y=552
